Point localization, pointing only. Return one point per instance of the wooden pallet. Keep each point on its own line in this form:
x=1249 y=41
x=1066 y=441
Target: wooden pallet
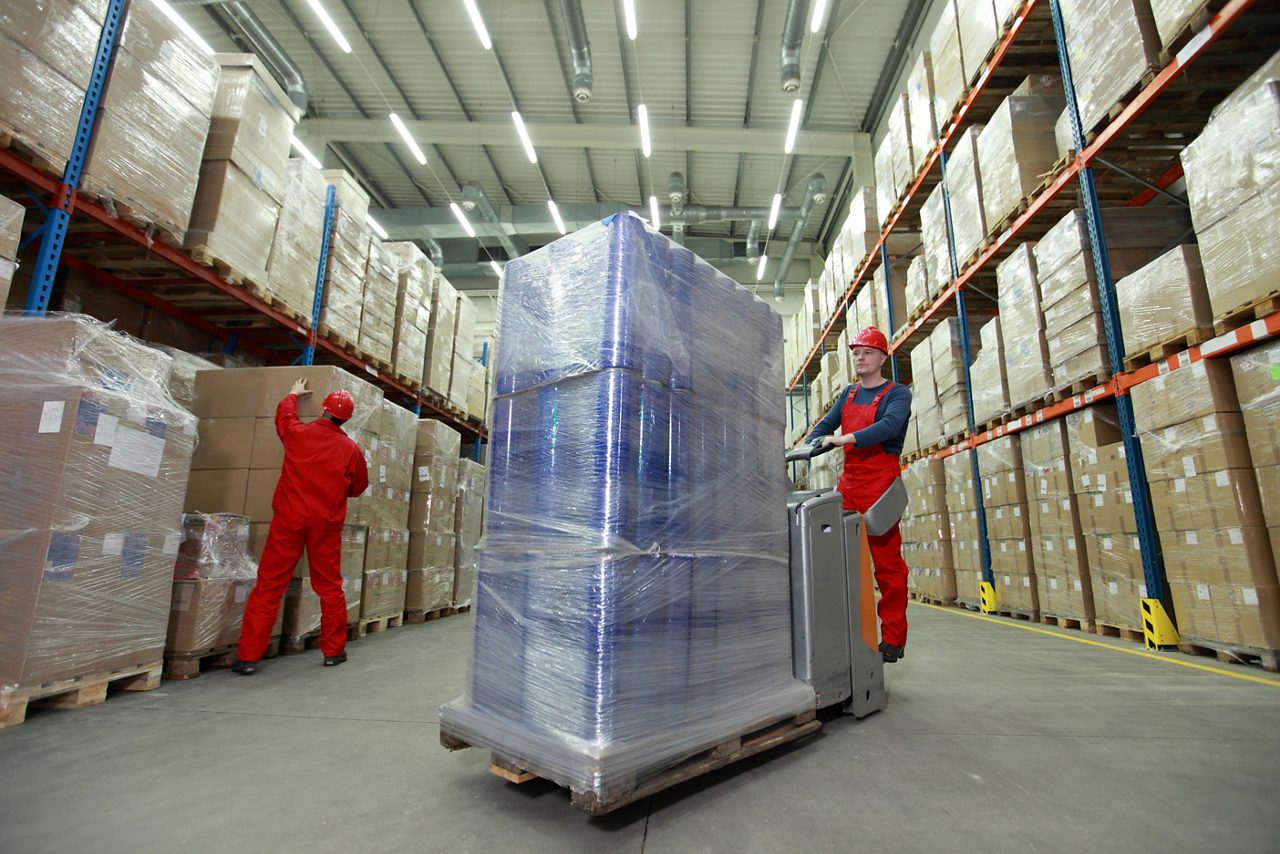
x=36 y=154
x=931 y=600
x=1018 y=614
x=1267 y=659
x=1169 y=347
x=144 y=222
x=993 y=423
x=1077 y=623
x=189 y=665
x=1022 y=410
x=1111 y=630
x=374 y=625
x=1246 y=314
x=76 y=693
x=1195 y=23
x=462 y=609
x=1148 y=74
x=1080 y=386
x=415 y=617
x=225 y=270
x=756 y=739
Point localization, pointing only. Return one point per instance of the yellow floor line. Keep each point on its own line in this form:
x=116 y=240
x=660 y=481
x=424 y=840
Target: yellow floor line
x=1247 y=677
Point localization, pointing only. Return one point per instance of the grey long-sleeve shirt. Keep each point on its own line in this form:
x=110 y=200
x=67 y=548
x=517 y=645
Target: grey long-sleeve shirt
x=890 y=427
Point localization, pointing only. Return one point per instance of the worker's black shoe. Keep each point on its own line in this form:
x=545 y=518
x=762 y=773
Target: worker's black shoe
x=335 y=660
x=891 y=653
x=244 y=668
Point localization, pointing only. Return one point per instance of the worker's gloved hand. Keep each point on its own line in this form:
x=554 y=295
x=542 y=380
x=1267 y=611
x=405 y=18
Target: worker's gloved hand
x=300 y=388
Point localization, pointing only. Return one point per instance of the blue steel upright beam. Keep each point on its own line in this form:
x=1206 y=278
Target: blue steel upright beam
x=984 y=546
x=888 y=306
x=330 y=209
x=1148 y=541
x=59 y=215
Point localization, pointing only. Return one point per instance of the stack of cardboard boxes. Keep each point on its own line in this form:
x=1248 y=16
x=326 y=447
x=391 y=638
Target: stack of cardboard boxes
x=243 y=177
x=295 y=248
x=989 y=377
x=1257 y=376
x=1164 y=301
x=1111 y=44
x=962 y=512
x=444 y=317
x=920 y=102
x=1026 y=353
x=925 y=412
x=1208 y=510
x=464 y=367
x=926 y=532
x=1056 y=540
x=1016 y=149
x=301 y=611
x=468 y=525
x=432 y=518
x=964 y=190
x=348 y=259
x=11 y=216
x=415 y=278
x=96 y=455
x=385 y=511
x=378 y=309
x=937 y=246
x=1004 y=499
x=949 y=81
x=948 y=372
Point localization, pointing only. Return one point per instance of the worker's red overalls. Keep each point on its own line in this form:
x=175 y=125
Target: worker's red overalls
x=867 y=474
x=322 y=469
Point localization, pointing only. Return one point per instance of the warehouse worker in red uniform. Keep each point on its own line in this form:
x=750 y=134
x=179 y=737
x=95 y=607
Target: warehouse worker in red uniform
x=872 y=417
x=322 y=468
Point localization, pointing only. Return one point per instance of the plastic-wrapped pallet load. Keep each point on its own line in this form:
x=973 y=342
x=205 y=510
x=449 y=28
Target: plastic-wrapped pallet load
x=211 y=582
x=432 y=516
x=1172 y=17
x=1112 y=44
x=904 y=158
x=962 y=515
x=345 y=278
x=1016 y=150
x=860 y=231
x=1022 y=327
x=979 y=31
x=1165 y=301
x=964 y=189
x=917 y=292
x=949 y=80
x=1100 y=480
x=1004 y=498
x=468 y=517
x=927 y=412
x=1204 y=493
x=182 y=376
x=154 y=119
x=634 y=451
x=1232 y=170
x=96 y=455
x=926 y=532
x=886 y=187
x=989 y=376
x=438 y=370
x=11 y=216
x=950 y=386
x=920 y=100
x=295 y=248
x=378 y=308
x=937 y=247
x=416 y=278
x=1257 y=376
x=349 y=195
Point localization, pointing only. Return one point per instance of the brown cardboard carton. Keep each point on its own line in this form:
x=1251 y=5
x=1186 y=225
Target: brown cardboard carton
x=353 y=200
x=217 y=491
x=964 y=188
x=252 y=122
x=428 y=589
x=1164 y=299
x=206 y=614
x=259 y=493
x=276 y=383
x=1014 y=150
x=266 y=449
x=1257 y=381
x=224 y=443
x=227 y=393
x=1239 y=262
x=233 y=220
x=1200 y=389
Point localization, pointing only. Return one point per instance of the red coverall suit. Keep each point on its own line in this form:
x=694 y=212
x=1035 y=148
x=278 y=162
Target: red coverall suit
x=322 y=468
x=867 y=474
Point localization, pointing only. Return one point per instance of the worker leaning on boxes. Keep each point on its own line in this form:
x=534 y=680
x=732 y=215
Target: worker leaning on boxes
x=322 y=468
x=872 y=416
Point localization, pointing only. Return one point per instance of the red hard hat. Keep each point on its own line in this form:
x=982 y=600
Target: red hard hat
x=340 y=405
x=870 y=337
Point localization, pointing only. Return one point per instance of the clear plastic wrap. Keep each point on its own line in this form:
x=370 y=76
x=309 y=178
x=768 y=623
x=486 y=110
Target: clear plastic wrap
x=1172 y=16
x=1057 y=547
x=378 y=312
x=468 y=519
x=295 y=249
x=38 y=107
x=154 y=40
x=214 y=545
x=1257 y=382
x=350 y=197
x=415 y=274
x=252 y=123
x=917 y=292
x=886 y=186
x=633 y=598
x=990 y=382
x=920 y=100
x=1164 y=300
x=96 y=454
x=1111 y=44
x=979 y=31
x=860 y=229
x=927 y=414
x=182 y=377
x=59 y=33
x=904 y=158
x=1240 y=257
x=926 y=532
x=964 y=190
x=1016 y=150
x=206 y=614
x=933 y=233
x=11 y=217
x=962 y=513
x=1026 y=353
x=383 y=595
x=1063 y=138
x=343 y=302
x=232 y=221
x=439 y=366
x=1004 y=498
x=949 y=80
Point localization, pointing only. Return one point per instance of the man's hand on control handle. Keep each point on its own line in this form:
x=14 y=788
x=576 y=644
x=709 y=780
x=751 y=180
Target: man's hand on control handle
x=300 y=388
x=836 y=440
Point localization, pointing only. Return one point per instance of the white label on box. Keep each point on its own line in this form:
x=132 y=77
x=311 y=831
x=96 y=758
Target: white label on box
x=113 y=545
x=1017 y=511
x=1076 y=583
x=1189 y=466
x=382 y=474
x=1004 y=545
x=1053 y=584
x=1045 y=508
x=1007 y=582
x=424 y=473
x=1044 y=487
x=1085 y=479
x=1198 y=41
x=1022 y=546
x=1250 y=595
x=1236 y=536
x=1114 y=588
x=105 y=434
x=1202 y=591
x=1106 y=544
x=171 y=543
x=1071 y=545
x=1066 y=505
x=1098 y=501
x=1210 y=421
x=1048 y=545
x=1180 y=485
x=1221 y=478
x=1192 y=539
x=1102 y=482
x=1128 y=496
x=137 y=412
x=242 y=593
x=1158 y=383
x=1142 y=591
x=137 y=452
x=51 y=416
x=1026 y=582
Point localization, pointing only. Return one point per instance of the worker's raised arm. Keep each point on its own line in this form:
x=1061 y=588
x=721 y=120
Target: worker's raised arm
x=357 y=474
x=831 y=421
x=894 y=411
x=287 y=410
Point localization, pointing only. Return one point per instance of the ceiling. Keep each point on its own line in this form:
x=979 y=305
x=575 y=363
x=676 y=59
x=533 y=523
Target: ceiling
x=707 y=71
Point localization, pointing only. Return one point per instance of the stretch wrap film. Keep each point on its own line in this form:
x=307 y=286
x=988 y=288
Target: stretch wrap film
x=295 y=249
x=926 y=533
x=633 y=597
x=949 y=81
x=964 y=191
x=1111 y=44
x=988 y=375
x=95 y=455
x=214 y=545
x=1016 y=150
x=1164 y=300
x=924 y=127
x=1026 y=354
x=962 y=514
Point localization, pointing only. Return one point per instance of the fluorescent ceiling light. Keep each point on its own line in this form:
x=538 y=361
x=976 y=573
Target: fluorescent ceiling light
x=643 y=112
x=497 y=271
x=793 y=127
x=819 y=11
x=760 y=267
x=178 y=22
x=377 y=229
x=555 y=214
x=478 y=23
x=408 y=140
x=653 y=212
x=629 y=14
x=330 y=25
x=305 y=152
x=462 y=218
x=524 y=136
x=773 y=211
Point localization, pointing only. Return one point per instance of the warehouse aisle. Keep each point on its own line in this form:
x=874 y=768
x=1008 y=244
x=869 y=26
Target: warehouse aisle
x=997 y=739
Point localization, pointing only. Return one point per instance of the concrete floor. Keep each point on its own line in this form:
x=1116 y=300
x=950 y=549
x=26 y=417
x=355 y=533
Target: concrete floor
x=996 y=739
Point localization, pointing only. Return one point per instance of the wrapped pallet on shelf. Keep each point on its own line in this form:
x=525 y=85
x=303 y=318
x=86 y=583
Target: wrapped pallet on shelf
x=917 y=292
x=962 y=515
x=295 y=247
x=1005 y=502
x=432 y=517
x=1100 y=481
x=937 y=246
x=1204 y=493
x=1016 y=150
x=153 y=123
x=949 y=80
x=1112 y=45
x=926 y=533
x=351 y=197
x=345 y=277
x=860 y=232
x=387 y=513
x=11 y=217
x=182 y=376
x=920 y=101
x=1026 y=351
x=979 y=32
x=897 y=292
x=949 y=374
x=467 y=528
x=927 y=413
x=1257 y=376
x=1232 y=170
x=904 y=157
x=989 y=376
x=596 y=662
x=1164 y=305
x=886 y=186
x=415 y=275
x=438 y=370
x=964 y=190
x=96 y=454
x=464 y=330
x=378 y=308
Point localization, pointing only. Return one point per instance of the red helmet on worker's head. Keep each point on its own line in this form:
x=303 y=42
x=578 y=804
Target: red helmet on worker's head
x=870 y=337
x=339 y=404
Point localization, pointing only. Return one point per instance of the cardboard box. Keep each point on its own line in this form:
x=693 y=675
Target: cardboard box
x=252 y=122
x=949 y=79
x=1015 y=149
x=233 y=220
x=1240 y=264
x=1111 y=45
x=207 y=614
x=353 y=200
x=1198 y=390
x=217 y=491
x=266 y=451
x=223 y=443
x=227 y=393
x=259 y=493
x=964 y=188
x=1164 y=300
